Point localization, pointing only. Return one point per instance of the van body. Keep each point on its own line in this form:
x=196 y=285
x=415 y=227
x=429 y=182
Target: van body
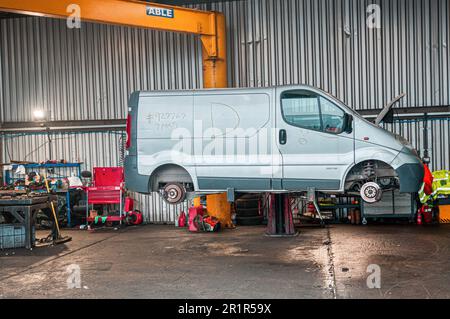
x=276 y=139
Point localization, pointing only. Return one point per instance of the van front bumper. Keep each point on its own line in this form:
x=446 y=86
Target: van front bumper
x=411 y=177
x=133 y=180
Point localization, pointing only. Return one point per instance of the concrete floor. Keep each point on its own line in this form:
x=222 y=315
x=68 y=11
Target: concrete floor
x=165 y=262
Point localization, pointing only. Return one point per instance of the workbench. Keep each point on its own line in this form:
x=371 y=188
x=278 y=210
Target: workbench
x=61 y=171
x=24 y=209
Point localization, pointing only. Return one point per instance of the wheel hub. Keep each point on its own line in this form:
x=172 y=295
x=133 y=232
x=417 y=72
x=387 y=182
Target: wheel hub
x=371 y=192
x=174 y=193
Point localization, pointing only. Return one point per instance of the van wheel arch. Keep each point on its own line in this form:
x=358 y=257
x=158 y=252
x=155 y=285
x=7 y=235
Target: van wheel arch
x=358 y=169
x=169 y=173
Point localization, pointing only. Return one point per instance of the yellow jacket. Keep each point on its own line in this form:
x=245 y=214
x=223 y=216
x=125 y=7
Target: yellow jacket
x=441 y=186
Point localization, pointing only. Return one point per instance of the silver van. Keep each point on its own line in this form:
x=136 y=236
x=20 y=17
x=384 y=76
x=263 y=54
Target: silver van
x=277 y=139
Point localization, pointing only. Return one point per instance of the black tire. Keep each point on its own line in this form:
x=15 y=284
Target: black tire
x=174 y=193
x=247 y=203
x=249 y=196
x=247 y=212
x=249 y=221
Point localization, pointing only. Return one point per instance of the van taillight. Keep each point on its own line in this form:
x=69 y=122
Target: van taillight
x=128 y=143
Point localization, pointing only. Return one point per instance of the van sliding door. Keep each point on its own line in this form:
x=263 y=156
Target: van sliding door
x=232 y=143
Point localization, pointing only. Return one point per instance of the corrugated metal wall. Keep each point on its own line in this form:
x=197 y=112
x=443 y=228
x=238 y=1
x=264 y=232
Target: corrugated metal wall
x=90 y=148
x=326 y=43
x=89 y=73
x=438 y=138
x=155 y=210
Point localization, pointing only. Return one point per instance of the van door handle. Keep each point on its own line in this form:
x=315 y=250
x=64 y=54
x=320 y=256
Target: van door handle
x=282 y=137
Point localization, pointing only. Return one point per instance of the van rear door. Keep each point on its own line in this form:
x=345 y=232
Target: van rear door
x=164 y=130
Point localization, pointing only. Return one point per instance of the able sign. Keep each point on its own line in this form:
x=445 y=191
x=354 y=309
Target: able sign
x=160 y=12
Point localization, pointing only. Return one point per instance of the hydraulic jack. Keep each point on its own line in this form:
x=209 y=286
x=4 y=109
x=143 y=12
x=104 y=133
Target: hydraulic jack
x=280 y=223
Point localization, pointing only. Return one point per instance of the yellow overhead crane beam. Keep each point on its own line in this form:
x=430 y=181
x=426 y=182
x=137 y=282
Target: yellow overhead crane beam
x=209 y=25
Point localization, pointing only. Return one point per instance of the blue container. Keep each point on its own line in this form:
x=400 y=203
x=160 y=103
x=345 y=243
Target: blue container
x=13 y=236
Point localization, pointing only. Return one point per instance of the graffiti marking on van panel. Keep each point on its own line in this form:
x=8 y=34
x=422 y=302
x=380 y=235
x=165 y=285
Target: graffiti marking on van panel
x=165 y=120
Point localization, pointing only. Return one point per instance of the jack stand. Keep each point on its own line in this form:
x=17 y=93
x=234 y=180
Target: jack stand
x=312 y=198
x=280 y=222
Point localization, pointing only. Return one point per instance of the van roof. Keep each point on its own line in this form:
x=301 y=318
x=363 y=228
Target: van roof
x=238 y=89
x=248 y=90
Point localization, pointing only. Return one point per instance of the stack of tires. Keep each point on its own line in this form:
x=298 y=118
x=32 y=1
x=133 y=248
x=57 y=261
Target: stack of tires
x=247 y=210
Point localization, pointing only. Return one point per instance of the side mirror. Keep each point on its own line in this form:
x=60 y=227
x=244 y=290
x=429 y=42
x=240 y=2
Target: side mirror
x=348 y=123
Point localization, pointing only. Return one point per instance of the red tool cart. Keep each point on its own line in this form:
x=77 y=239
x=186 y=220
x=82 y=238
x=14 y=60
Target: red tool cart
x=107 y=188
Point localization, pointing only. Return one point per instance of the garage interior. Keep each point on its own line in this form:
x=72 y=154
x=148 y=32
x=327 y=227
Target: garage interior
x=64 y=94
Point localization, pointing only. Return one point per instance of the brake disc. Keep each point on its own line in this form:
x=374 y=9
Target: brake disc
x=174 y=193
x=371 y=192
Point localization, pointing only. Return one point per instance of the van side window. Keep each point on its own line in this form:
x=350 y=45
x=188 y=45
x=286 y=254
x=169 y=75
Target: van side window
x=301 y=110
x=332 y=117
x=311 y=111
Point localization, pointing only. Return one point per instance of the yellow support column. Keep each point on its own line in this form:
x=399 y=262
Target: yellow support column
x=214 y=51
x=215 y=76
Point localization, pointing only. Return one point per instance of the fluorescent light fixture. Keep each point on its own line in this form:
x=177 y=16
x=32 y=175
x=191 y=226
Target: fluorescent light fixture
x=39 y=115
